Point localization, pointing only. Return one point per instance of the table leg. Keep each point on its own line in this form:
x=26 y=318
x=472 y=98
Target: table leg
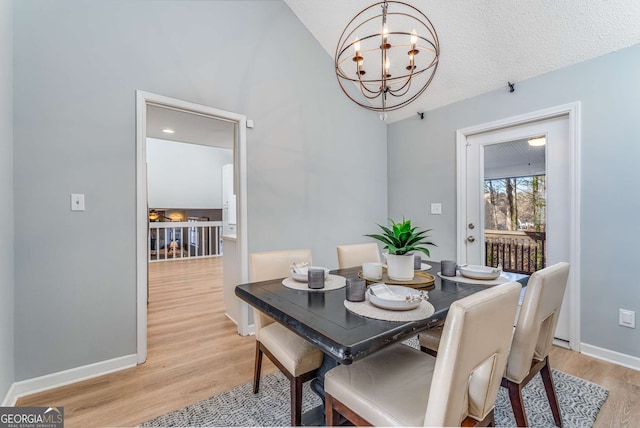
x=317 y=384
x=315 y=416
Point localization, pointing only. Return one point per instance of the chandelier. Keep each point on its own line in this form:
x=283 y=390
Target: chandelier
x=387 y=56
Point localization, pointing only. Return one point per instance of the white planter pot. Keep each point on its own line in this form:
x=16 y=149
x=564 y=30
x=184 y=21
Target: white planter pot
x=400 y=268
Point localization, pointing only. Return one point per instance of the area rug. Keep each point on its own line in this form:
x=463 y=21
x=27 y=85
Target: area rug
x=580 y=402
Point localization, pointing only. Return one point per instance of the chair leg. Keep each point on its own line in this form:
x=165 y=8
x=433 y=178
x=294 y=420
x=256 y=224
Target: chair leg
x=331 y=416
x=547 y=379
x=337 y=414
x=296 y=401
x=488 y=421
x=257 y=368
x=515 y=396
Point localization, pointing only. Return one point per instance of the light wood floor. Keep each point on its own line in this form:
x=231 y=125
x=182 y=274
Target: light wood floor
x=194 y=352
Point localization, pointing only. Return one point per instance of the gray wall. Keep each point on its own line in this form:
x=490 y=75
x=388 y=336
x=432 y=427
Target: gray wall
x=422 y=168
x=316 y=161
x=6 y=198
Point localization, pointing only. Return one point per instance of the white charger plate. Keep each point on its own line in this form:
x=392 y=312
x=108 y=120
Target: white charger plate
x=392 y=297
x=479 y=271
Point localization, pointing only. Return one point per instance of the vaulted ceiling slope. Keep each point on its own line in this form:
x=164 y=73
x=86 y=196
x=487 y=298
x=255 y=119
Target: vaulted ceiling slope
x=487 y=43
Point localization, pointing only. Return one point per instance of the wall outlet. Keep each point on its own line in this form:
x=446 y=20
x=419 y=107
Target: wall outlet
x=627 y=318
x=436 y=208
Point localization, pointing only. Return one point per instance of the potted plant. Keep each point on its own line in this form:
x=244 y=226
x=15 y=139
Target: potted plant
x=401 y=239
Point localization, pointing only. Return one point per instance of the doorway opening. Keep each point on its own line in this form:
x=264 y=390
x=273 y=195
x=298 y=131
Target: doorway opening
x=557 y=208
x=144 y=101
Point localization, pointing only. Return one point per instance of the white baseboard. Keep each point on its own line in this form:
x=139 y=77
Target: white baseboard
x=250 y=330
x=611 y=356
x=11 y=398
x=66 y=377
x=231 y=318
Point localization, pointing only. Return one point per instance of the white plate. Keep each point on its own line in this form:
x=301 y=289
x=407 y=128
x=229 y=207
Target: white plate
x=479 y=272
x=393 y=297
x=302 y=274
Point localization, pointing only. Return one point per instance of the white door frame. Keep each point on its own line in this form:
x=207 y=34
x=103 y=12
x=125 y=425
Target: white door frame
x=573 y=111
x=240 y=159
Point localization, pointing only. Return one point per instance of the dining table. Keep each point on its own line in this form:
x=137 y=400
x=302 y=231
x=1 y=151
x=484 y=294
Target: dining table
x=322 y=318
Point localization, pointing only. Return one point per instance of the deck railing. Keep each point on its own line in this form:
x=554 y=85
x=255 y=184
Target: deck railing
x=519 y=251
x=186 y=239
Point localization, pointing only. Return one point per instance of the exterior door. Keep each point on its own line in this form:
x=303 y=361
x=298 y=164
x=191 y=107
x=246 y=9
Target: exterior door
x=558 y=211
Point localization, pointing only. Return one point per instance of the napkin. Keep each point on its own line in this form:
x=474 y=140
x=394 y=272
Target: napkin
x=384 y=292
x=301 y=268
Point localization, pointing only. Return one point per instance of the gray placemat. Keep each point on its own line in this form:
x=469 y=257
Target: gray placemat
x=460 y=278
x=332 y=282
x=367 y=309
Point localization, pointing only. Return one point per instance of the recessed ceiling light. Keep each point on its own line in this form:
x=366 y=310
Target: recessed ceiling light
x=168 y=131
x=538 y=141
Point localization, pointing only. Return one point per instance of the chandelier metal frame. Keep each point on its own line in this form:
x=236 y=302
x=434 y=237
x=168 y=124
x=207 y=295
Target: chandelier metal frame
x=419 y=47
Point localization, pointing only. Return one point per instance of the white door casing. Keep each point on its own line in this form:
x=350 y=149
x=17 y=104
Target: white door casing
x=240 y=160
x=561 y=126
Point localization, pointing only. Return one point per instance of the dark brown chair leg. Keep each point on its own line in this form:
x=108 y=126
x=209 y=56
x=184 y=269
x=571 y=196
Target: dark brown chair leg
x=257 y=368
x=336 y=413
x=515 y=396
x=488 y=421
x=296 y=401
x=547 y=379
x=332 y=417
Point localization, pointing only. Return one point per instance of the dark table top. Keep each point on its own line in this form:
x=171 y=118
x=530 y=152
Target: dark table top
x=321 y=318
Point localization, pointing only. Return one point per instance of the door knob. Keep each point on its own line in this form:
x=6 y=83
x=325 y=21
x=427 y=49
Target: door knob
x=471 y=239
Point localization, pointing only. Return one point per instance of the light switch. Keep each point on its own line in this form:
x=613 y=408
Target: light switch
x=436 y=208
x=77 y=202
x=627 y=318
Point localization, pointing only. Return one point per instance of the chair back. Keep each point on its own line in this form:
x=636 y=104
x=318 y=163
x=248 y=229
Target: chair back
x=538 y=319
x=472 y=356
x=272 y=265
x=357 y=254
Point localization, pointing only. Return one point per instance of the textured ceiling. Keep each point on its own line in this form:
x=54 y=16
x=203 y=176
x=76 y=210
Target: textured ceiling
x=486 y=43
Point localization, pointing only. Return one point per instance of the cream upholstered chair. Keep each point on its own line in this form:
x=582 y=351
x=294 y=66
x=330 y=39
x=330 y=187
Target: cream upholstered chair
x=357 y=254
x=296 y=358
x=532 y=340
x=401 y=386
